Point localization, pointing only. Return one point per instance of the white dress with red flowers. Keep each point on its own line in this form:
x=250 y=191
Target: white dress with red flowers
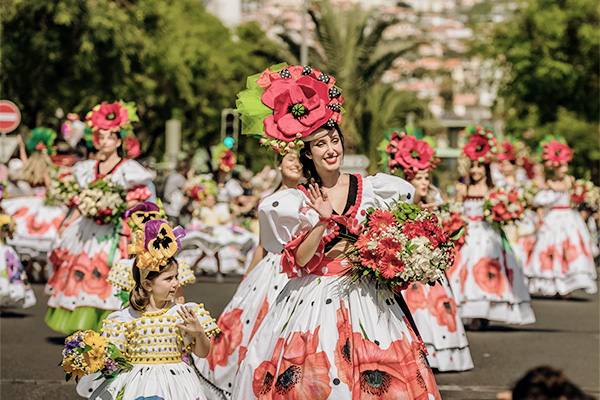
x=241 y=319
x=486 y=279
x=435 y=313
x=15 y=290
x=37 y=223
x=324 y=337
x=562 y=259
x=80 y=296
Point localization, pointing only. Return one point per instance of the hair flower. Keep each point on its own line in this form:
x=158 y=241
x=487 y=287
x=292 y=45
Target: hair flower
x=42 y=139
x=155 y=245
x=555 y=151
x=284 y=104
x=405 y=151
x=481 y=145
x=142 y=213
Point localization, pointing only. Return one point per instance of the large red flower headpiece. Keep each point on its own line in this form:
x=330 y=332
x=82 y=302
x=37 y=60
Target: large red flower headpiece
x=116 y=117
x=507 y=152
x=481 y=145
x=405 y=151
x=555 y=152
x=285 y=104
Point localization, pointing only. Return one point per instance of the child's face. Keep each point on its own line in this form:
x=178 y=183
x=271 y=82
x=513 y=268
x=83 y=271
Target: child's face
x=210 y=200
x=164 y=286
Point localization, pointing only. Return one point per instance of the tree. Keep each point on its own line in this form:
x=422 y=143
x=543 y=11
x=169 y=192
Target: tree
x=169 y=56
x=551 y=52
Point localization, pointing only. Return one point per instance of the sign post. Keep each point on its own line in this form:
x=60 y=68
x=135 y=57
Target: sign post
x=10 y=118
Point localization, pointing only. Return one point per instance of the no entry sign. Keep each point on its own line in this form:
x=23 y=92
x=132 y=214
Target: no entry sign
x=10 y=116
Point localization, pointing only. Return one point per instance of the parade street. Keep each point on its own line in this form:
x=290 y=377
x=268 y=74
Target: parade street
x=565 y=336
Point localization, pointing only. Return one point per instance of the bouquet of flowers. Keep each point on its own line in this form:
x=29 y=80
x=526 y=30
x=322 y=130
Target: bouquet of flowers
x=584 y=194
x=7 y=227
x=400 y=246
x=63 y=188
x=87 y=352
x=102 y=201
x=504 y=207
x=530 y=189
x=453 y=221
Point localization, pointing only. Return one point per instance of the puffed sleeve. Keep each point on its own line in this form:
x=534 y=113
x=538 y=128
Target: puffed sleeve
x=84 y=173
x=120 y=275
x=131 y=175
x=544 y=198
x=114 y=328
x=208 y=323
x=387 y=188
x=185 y=274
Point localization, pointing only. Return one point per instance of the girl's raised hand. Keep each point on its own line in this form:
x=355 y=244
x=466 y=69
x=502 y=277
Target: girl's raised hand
x=190 y=324
x=318 y=202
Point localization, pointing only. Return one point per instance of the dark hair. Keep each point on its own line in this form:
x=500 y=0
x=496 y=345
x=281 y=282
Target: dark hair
x=488 y=175
x=546 y=383
x=308 y=166
x=182 y=167
x=138 y=297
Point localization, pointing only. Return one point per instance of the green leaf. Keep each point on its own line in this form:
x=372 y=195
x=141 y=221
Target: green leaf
x=457 y=233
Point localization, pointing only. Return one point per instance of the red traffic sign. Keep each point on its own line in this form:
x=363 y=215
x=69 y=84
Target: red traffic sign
x=10 y=116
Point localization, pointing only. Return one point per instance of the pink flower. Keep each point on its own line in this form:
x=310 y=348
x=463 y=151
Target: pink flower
x=481 y=145
x=108 y=116
x=299 y=107
x=507 y=152
x=555 y=153
x=132 y=147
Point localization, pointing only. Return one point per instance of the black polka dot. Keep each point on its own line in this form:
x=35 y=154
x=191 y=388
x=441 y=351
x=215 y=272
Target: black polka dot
x=254 y=289
x=387 y=301
x=336 y=381
x=328 y=301
x=275 y=287
x=229 y=384
x=173 y=372
x=247 y=321
x=301 y=301
x=408 y=196
x=312 y=304
x=90 y=390
x=377 y=342
x=275 y=203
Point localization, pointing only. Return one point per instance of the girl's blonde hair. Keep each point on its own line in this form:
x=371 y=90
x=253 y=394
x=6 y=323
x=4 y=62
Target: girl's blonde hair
x=139 y=297
x=35 y=168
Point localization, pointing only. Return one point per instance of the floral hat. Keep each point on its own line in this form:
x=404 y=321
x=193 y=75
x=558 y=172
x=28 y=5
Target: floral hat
x=155 y=245
x=508 y=150
x=285 y=104
x=116 y=117
x=555 y=151
x=144 y=212
x=205 y=188
x=42 y=139
x=481 y=145
x=224 y=156
x=403 y=150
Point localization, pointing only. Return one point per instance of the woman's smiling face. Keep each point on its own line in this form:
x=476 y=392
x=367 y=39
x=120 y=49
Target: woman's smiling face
x=327 y=151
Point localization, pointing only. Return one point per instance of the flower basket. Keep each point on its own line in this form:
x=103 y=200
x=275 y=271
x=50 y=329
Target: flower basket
x=87 y=352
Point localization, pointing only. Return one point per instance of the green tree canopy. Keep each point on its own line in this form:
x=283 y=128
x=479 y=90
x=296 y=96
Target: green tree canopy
x=169 y=56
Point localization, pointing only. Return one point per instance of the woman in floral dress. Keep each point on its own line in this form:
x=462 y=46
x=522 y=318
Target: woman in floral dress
x=251 y=301
x=432 y=307
x=486 y=280
x=562 y=259
x=324 y=337
x=80 y=296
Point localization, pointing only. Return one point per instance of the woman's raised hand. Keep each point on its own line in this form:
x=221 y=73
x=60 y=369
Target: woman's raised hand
x=318 y=202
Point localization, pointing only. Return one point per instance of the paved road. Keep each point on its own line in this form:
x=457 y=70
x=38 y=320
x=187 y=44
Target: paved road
x=566 y=336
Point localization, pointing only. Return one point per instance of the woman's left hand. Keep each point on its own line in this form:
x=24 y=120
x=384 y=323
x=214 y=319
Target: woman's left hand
x=190 y=324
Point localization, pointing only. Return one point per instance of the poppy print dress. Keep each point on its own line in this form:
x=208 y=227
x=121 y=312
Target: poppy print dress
x=486 y=279
x=434 y=311
x=159 y=352
x=562 y=260
x=37 y=223
x=15 y=290
x=241 y=319
x=324 y=337
x=80 y=296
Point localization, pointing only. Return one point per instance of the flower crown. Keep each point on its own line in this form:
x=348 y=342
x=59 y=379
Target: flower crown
x=555 y=151
x=482 y=145
x=403 y=150
x=42 y=139
x=116 y=117
x=285 y=104
x=144 y=212
x=508 y=151
x=223 y=155
x=205 y=188
x=155 y=245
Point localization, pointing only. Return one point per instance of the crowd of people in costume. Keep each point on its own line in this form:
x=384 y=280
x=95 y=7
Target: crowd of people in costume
x=354 y=287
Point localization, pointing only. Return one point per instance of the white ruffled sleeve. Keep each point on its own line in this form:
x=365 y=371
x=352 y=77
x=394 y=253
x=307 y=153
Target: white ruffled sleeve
x=545 y=198
x=387 y=188
x=114 y=328
x=84 y=173
x=283 y=217
x=131 y=175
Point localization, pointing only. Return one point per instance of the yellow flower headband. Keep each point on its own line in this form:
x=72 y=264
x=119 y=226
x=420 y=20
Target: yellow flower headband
x=155 y=245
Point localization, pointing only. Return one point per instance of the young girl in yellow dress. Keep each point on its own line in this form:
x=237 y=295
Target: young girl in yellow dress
x=155 y=334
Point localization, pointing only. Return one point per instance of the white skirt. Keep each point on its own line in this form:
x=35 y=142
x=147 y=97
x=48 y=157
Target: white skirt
x=325 y=338
x=562 y=260
x=486 y=279
x=240 y=320
x=435 y=313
